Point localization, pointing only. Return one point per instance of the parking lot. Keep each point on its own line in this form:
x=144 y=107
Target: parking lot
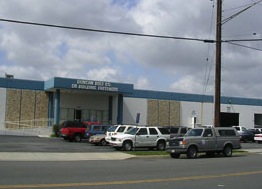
x=38 y=144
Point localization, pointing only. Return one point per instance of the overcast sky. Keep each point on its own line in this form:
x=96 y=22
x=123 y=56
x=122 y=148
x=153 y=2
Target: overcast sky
x=40 y=53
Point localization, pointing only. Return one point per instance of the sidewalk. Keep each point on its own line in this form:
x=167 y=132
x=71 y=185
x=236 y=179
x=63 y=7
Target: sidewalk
x=46 y=156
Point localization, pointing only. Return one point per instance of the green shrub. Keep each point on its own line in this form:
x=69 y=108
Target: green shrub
x=56 y=130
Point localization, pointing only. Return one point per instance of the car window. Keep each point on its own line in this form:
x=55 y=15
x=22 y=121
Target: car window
x=142 y=131
x=129 y=128
x=121 y=129
x=237 y=128
x=112 y=129
x=174 y=130
x=104 y=128
x=132 y=131
x=244 y=129
x=164 y=131
x=223 y=132
x=195 y=132
x=153 y=131
x=183 y=131
x=97 y=128
x=208 y=133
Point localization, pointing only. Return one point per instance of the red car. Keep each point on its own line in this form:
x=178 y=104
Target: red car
x=74 y=130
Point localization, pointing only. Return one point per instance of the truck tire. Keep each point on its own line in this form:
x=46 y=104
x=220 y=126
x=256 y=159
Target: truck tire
x=77 y=138
x=127 y=146
x=227 y=151
x=161 y=145
x=174 y=155
x=192 y=152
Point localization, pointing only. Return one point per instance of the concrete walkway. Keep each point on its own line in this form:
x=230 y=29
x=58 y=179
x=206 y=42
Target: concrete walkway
x=45 y=156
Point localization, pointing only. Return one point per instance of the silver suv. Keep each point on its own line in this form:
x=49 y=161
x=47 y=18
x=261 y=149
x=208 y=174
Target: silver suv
x=151 y=137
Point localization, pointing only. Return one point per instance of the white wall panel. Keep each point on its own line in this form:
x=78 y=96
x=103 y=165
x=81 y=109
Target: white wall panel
x=202 y=112
x=246 y=113
x=132 y=106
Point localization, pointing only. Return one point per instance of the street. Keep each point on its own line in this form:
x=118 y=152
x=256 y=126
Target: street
x=239 y=171
x=243 y=170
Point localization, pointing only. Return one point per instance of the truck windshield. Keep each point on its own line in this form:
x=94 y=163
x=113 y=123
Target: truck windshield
x=195 y=132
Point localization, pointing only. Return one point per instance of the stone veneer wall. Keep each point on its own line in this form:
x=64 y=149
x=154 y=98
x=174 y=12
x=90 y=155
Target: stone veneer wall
x=26 y=108
x=163 y=113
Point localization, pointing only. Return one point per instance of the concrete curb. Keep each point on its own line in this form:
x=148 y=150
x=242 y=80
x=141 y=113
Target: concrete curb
x=43 y=156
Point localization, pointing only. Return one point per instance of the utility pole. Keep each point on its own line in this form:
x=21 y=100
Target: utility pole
x=218 y=65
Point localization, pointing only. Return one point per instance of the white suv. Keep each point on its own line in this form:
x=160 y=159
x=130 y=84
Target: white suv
x=116 y=130
x=150 y=137
x=240 y=129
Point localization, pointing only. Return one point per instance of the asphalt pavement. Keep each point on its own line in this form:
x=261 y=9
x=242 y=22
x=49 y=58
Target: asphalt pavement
x=31 y=148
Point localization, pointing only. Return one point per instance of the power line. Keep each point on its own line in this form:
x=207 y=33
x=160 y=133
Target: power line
x=253 y=48
x=242 y=40
x=238 y=13
x=107 y=31
x=124 y=33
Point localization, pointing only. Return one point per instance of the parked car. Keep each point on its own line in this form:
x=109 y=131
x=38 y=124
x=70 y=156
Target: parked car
x=209 y=140
x=177 y=131
x=98 y=139
x=74 y=130
x=149 y=137
x=95 y=129
x=258 y=138
x=245 y=134
x=116 y=130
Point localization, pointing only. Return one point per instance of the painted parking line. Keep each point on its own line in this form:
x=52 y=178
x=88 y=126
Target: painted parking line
x=129 y=181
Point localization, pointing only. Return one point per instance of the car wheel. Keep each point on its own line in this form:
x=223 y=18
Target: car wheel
x=174 y=155
x=127 y=146
x=77 y=138
x=192 y=152
x=161 y=146
x=227 y=151
x=103 y=142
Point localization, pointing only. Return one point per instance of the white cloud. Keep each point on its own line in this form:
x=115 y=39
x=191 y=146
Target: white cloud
x=142 y=83
x=103 y=74
x=36 y=52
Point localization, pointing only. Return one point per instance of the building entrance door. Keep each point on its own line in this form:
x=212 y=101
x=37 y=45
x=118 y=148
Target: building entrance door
x=78 y=115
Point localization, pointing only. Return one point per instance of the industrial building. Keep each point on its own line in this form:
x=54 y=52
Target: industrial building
x=27 y=103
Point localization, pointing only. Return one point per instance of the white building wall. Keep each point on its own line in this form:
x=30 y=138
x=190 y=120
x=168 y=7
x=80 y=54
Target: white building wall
x=246 y=113
x=2 y=107
x=202 y=111
x=190 y=109
x=132 y=106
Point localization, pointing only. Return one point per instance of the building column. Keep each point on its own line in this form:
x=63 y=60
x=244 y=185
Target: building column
x=110 y=110
x=120 y=109
x=50 y=108
x=57 y=107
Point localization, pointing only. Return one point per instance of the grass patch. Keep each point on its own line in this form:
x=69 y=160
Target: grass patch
x=164 y=153
x=148 y=153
